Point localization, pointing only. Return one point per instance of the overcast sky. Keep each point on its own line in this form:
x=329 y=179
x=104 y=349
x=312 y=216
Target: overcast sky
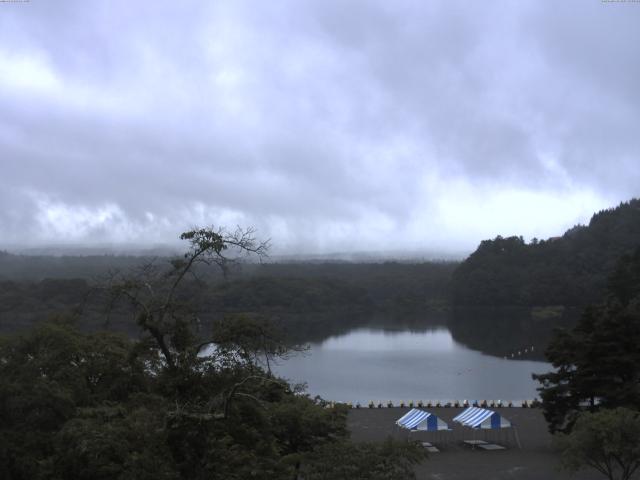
x=328 y=125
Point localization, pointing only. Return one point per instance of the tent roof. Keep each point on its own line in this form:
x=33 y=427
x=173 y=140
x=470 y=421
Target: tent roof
x=417 y=419
x=476 y=417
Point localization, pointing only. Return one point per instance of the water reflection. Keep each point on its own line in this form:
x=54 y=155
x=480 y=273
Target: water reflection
x=366 y=339
x=380 y=365
x=508 y=332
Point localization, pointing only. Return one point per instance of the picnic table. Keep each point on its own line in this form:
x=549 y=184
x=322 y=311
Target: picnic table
x=429 y=447
x=483 y=445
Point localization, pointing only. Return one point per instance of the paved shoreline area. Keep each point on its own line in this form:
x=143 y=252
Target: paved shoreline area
x=456 y=461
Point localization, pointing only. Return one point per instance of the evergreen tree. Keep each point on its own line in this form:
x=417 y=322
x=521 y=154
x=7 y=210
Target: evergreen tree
x=598 y=362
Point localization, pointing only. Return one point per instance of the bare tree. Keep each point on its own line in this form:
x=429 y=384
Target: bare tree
x=152 y=290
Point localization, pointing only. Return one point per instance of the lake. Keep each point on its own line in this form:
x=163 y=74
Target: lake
x=381 y=365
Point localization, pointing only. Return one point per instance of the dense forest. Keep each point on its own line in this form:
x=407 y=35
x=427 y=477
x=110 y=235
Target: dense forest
x=597 y=362
x=102 y=406
x=80 y=402
x=523 y=290
x=309 y=300
x=570 y=270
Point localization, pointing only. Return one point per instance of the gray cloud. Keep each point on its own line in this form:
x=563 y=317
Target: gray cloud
x=328 y=125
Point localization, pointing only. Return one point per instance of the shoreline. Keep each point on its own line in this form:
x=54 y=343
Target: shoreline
x=444 y=404
x=456 y=461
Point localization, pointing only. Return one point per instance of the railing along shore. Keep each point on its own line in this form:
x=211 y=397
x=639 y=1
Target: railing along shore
x=532 y=403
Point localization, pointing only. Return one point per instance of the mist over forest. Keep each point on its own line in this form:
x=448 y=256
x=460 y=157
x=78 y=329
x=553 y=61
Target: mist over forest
x=543 y=284
x=319 y=240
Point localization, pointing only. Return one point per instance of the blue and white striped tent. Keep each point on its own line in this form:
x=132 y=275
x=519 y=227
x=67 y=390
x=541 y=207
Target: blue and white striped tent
x=420 y=420
x=482 y=418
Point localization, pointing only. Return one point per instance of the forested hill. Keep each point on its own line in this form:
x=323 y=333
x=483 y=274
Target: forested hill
x=571 y=270
x=309 y=296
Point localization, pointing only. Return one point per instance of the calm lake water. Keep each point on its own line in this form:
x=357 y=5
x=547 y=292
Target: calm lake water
x=381 y=365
